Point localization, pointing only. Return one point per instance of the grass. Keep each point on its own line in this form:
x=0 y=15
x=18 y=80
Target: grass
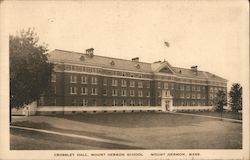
x=132 y=130
x=229 y=115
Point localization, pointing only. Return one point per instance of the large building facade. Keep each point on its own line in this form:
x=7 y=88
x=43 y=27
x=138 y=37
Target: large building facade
x=88 y=80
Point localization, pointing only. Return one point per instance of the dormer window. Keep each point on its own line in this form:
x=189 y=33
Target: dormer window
x=138 y=66
x=112 y=63
x=82 y=58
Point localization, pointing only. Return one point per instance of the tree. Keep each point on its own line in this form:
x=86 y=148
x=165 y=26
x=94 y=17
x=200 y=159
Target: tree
x=235 y=98
x=30 y=71
x=220 y=101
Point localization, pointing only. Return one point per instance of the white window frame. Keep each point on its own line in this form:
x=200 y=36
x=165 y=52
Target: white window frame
x=114 y=92
x=105 y=81
x=140 y=93
x=73 y=79
x=84 y=79
x=124 y=92
x=73 y=90
x=132 y=93
x=158 y=84
x=140 y=84
x=85 y=89
x=132 y=83
x=114 y=82
x=53 y=77
x=94 y=91
x=84 y=102
x=94 y=80
x=124 y=83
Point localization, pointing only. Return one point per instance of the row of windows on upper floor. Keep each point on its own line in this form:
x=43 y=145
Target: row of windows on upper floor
x=114 y=92
x=87 y=102
x=132 y=93
x=132 y=83
x=137 y=75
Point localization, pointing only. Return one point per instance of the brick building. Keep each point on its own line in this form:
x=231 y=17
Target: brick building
x=87 y=80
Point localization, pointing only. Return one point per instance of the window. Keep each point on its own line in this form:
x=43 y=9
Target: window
x=167 y=93
x=73 y=79
x=158 y=94
x=132 y=84
x=114 y=82
x=140 y=93
x=182 y=95
x=187 y=88
x=193 y=103
x=104 y=92
x=94 y=91
x=94 y=80
x=53 y=78
x=114 y=102
x=148 y=85
x=198 y=88
x=94 y=102
x=123 y=102
x=73 y=68
x=203 y=96
x=53 y=102
x=165 y=85
x=193 y=88
x=73 y=102
x=211 y=89
x=140 y=102
x=132 y=93
x=198 y=96
x=84 y=91
x=193 y=96
x=187 y=95
x=84 y=79
x=172 y=85
x=41 y=101
x=148 y=101
x=124 y=83
x=182 y=87
x=132 y=103
x=158 y=84
x=139 y=84
x=104 y=81
x=124 y=92
x=114 y=92
x=73 y=90
x=54 y=90
x=203 y=88
x=84 y=102
x=148 y=94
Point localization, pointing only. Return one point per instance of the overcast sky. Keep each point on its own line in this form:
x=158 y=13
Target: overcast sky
x=203 y=33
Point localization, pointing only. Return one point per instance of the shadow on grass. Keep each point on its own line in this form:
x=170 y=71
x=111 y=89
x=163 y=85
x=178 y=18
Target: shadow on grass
x=136 y=120
x=47 y=126
x=41 y=138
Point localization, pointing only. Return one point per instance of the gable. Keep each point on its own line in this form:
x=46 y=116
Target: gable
x=165 y=70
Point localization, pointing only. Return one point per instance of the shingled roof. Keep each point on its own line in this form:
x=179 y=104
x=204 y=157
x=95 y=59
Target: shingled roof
x=122 y=64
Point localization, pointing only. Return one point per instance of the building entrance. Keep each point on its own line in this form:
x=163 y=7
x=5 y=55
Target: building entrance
x=166 y=101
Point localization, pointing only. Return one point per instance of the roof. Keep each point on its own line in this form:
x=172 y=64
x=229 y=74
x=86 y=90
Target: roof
x=122 y=64
x=101 y=61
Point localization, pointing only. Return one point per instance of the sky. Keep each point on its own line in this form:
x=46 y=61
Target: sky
x=209 y=34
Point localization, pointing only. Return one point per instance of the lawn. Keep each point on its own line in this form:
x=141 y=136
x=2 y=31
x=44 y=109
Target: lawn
x=229 y=115
x=131 y=130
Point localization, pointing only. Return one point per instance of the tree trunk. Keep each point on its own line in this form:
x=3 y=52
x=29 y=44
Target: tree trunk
x=10 y=118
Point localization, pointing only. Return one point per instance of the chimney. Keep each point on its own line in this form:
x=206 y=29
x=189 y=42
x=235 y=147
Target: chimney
x=135 y=59
x=194 y=69
x=90 y=52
